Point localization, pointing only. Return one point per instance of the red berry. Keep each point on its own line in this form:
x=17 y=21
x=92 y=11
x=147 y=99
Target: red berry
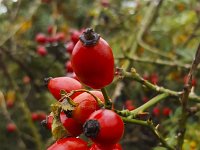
x=50 y=29
x=68 y=66
x=70 y=47
x=130 y=107
x=52 y=39
x=167 y=111
x=60 y=36
x=104 y=127
x=75 y=36
x=35 y=116
x=71 y=125
x=41 y=116
x=156 y=111
x=9 y=103
x=55 y=85
x=41 y=50
x=92 y=60
x=145 y=99
x=11 y=127
x=41 y=38
x=69 y=144
x=154 y=78
x=105 y=3
x=103 y=147
x=86 y=106
x=26 y=79
x=194 y=81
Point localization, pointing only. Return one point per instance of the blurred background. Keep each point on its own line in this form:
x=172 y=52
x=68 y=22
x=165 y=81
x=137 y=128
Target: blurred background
x=156 y=37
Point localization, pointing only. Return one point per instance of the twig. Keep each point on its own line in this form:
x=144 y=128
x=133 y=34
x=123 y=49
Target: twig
x=135 y=76
x=136 y=112
x=184 y=100
x=157 y=62
x=150 y=125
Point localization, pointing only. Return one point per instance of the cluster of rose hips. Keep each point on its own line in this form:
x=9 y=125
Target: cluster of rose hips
x=93 y=63
x=43 y=40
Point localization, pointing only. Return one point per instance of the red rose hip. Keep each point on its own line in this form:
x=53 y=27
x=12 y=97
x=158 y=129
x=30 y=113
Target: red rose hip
x=92 y=60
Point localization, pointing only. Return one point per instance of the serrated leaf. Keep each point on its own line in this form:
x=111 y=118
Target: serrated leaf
x=68 y=104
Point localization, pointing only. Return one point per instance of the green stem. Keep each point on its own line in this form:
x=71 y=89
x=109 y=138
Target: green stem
x=150 y=103
x=108 y=103
x=135 y=76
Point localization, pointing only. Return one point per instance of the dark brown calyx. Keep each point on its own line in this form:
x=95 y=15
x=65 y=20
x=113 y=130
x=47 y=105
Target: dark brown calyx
x=91 y=128
x=46 y=81
x=89 y=37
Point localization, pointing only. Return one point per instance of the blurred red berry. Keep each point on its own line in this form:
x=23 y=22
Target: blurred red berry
x=156 y=111
x=167 y=111
x=41 y=115
x=68 y=66
x=35 y=116
x=145 y=99
x=46 y=1
x=194 y=81
x=11 y=127
x=41 y=38
x=26 y=79
x=105 y=3
x=50 y=29
x=154 y=78
x=60 y=37
x=41 y=50
x=69 y=47
x=9 y=103
x=52 y=39
x=130 y=107
x=75 y=36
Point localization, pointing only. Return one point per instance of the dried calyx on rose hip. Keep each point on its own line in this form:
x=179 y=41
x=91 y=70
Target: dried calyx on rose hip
x=104 y=127
x=92 y=60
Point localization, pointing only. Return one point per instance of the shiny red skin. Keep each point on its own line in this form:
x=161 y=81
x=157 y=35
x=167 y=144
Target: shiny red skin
x=11 y=127
x=68 y=66
x=71 y=125
x=86 y=106
x=102 y=147
x=69 y=144
x=75 y=36
x=41 y=38
x=111 y=127
x=93 y=65
x=70 y=47
x=41 y=50
x=68 y=84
